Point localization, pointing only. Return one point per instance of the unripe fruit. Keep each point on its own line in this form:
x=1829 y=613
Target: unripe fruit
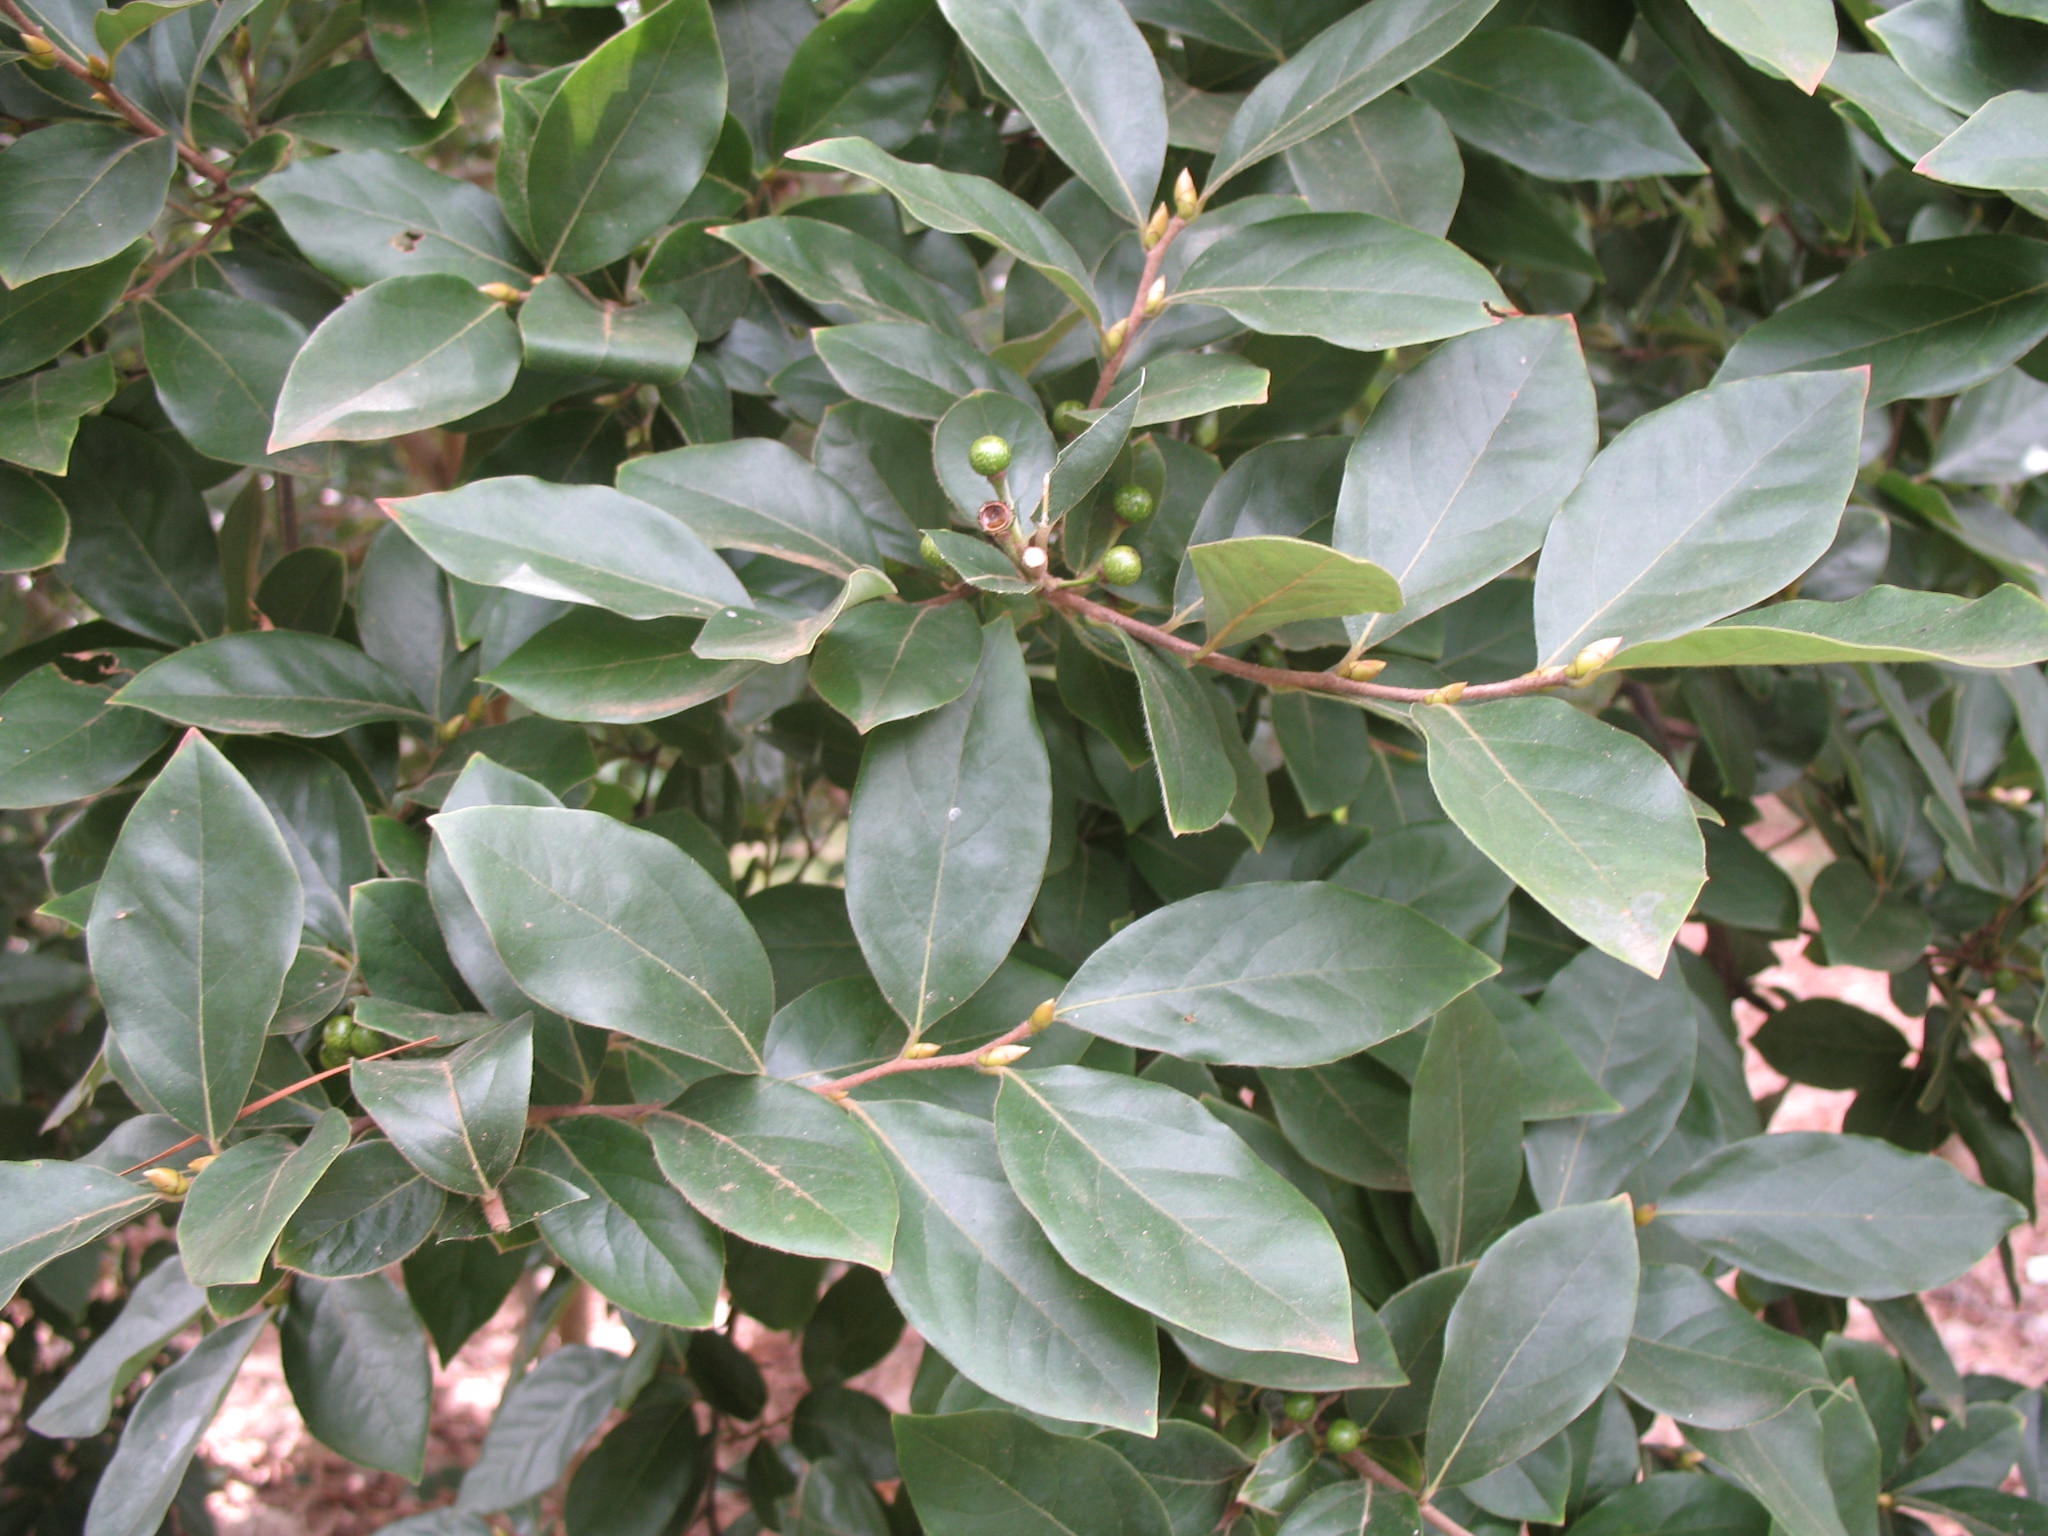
x=1070 y=417
x=364 y=1041
x=1134 y=503
x=339 y=1033
x=928 y=547
x=1301 y=1407
x=1121 y=566
x=1342 y=1435
x=332 y=1056
x=989 y=455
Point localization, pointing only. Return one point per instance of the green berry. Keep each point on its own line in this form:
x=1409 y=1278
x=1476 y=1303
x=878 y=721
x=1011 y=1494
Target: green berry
x=2037 y=909
x=364 y=1041
x=1341 y=1436
x=1070 y=417
x=332 y=1056
x=928 y=547
x=989 y=455
x=1121 y=566
x=1300 y=1407
x=1134 y=503
x=338 y=1032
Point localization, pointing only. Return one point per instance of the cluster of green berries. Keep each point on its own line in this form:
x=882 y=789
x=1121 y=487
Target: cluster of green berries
x=344 y=1040
x=1339 y=1435
x=989 y=456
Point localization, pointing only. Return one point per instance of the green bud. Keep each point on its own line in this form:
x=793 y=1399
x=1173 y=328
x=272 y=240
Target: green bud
x=989 y=455
x=1134 y=503
x=1122 y=566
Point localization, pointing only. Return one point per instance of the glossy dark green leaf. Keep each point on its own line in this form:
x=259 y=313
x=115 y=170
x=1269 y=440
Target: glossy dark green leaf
x=196 y=921
x=1750 y=479
x=1353 y=1509
x=1998 y=146
x=542 y=1421
x=1147 y=1194
x=159 y=1307
x=1256 y=584
x=62 y=739
x=399 y=948
x=218 y=362
x=365 y=215
x=1346 y=65
x=1842 y=1215
x=369 y=1210
x=33 y=528
x=405 y=353
x=572 y=543
x=1349 y=1118
x=1672 y=1500
x=977 y=1278
x=1351 y=279
x=1080 y=70
x=164 y=1429
x=352 y=105
x=846 y=274
x=1928 y=318
x=889 y=661
x=623 y=139
x=355 y=1358
x=649 y=1467
x=142 y=544
x=458 y=1118
x=781 y=1166
x=1195 y=778
x=1281 y=975
x=1782 y=1461
x=271 y=682
x=991 y=1473
x=759 y=495
x=1393 y=157
x=1695 y=1354
x=53 y=1207
x=429 y=46
x=564 y=330
x=39 y=320
x=77 y=193
x=1863 y=923
x=1533 y=1339
x=872 y=67
x=633 y=1239
x=1465 y=1130
x=1963 y=55
x=959 y=799
x=2006 y=628
x=1827 y=1043
x=39 y=418
x=912 y=370
x=240 y=1203
x=1376 y=1365
x=594 y=665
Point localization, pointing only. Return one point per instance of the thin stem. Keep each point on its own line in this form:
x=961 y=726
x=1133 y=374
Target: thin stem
x=103 y=90
x=1543 y=680
x=1135 y=320
x=1373 y=1472
x=965 y=1058
x=207 y=236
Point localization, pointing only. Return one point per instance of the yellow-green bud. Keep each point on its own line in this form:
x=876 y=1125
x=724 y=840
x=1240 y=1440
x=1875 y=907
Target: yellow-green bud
x=1114 y=336
x=1043 y=1015
x=924 y=1050
x=199 y=1165
x=504 y=293
x=1002 y=1055
x=1155 y=228
x=1187 y=201
x=1593 y=658
x=98 y=67
x=1365 y=669
x=1450 y=693
x=41 y=52
x=167 y=1182
x=1155 y=297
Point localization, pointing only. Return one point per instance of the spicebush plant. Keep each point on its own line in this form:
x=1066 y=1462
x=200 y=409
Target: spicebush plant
x=1054 y=671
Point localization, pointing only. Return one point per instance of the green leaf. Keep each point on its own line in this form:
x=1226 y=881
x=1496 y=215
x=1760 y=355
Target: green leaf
x=1842 y=1215
x=1197 y=780
x=195 y=924
x=1796 y=41
x=1676 y=1501
x=1350 y=279
x=1695 y=1354
x=1588 y=820
x=1964 y=55
x=365 y=215
x=2006 y=628
x=1147 y=1194
x=649 y=1467
x=148 y=1466
x=780 y=1166
x=352 y=105
x=355 y=1358
x=1782 y=1461
x=760 y=495
x=955 y=804
x=161 y=1305
x=39 y=415
x=458 y=1118
x=1353 y=1509
x=976 y=1277
x=1186 y=384
x=1698 y=509
x=990 y=1473
x=142 y=546
x=33 y=528
x=1376 y=1365
x=62 y=739
x=218 y=362
x=594 y=665
x=1393 y=157
x=1532 y=1340
x=1875 y=94
x=271 y=681
x=1557 y=107
x=1349 y=1118
x=76 y=194
x=1928 y=318
x=1999 y=146
x=623 y=139
x=1284 y=975
x=1862 y=923
x=912 y=370
x=369 y=1210
x=1465 y=1130
x=965 y=205
x=616 y=927
x=1639 y=1038
x=1081 y=71
x=847 y=275
x=1032 y=456
x=399 y=949
x=1825 y=1043
x=872 y=67
x=542 y=1421
x=570 y=543
x=633 y=1238
x=51 y=1208
x=39 y=320
x=1346 y=65
x=405 y=353
x=242 y=1200
x=1257 y=584
x=564 y=330
x=430 y=46
x=890 y=661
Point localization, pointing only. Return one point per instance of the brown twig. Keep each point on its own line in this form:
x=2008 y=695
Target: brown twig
x=1134 y=321
x=103 y=91
x=967 y=1058
x=207 y=236
x=1373 y=1472
x=1542 y=680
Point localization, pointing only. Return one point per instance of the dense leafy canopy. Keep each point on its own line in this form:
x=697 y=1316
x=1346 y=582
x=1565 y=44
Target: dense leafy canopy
x=543 y=752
